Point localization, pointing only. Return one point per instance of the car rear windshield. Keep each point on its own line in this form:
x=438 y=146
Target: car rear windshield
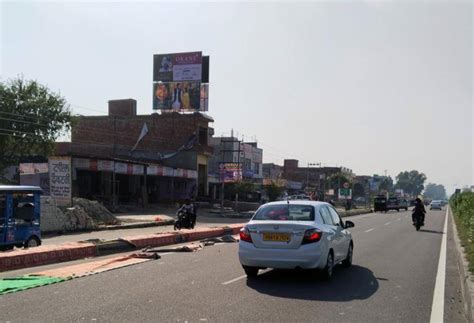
x=285 y=212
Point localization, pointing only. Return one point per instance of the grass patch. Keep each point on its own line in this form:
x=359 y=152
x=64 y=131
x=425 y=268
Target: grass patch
x=462 y=206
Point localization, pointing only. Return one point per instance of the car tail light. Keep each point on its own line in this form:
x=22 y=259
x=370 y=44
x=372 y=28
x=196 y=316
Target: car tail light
x=312 y=235
x=245 y=235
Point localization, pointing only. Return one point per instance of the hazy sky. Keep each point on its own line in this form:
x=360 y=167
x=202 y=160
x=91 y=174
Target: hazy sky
x=372 y=86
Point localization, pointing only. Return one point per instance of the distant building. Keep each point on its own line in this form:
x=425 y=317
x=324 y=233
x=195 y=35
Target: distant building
x=272 y=171
x=232 y=150
x=312 y=177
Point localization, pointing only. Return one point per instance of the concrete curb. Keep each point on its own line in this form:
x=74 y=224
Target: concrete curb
x=137 y=225
x=467 y=287
x=45 y=255
x=117 y=227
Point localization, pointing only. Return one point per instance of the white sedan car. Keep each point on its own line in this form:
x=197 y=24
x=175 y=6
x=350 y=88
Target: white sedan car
x=295 y=234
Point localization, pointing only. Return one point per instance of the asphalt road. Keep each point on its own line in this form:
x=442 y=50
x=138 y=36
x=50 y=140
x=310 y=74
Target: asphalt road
x=392 y=280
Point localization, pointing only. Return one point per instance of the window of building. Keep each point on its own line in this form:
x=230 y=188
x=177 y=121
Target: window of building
x=256 y=167
x=203 y=136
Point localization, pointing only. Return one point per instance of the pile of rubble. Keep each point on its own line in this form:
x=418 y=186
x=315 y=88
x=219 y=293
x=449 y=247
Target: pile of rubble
x=83 y=215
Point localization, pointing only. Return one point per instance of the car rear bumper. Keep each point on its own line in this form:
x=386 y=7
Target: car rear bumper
x=306 y=257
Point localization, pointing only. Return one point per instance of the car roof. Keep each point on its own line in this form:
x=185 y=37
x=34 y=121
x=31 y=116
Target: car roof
x=298 y=202
x=18 y=188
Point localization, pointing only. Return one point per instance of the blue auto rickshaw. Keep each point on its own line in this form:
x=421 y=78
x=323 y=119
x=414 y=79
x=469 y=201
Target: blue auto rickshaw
x=19 y=216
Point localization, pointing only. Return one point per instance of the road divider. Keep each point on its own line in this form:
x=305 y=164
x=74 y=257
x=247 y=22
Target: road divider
x=45 y=255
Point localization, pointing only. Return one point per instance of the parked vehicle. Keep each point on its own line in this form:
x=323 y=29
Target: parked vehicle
x=19 y=216
x=380 y=204
x=295 y=234
x=299 y=197
x=393 y=203
x=436 y=205
x=403 y=204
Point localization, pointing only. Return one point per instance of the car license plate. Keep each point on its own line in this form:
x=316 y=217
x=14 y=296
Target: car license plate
x=278 y=237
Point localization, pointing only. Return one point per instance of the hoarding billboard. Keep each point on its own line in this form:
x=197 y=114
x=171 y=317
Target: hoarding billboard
x=230 y=172
x=204 y=105
x=177 y=67
x=177 y=96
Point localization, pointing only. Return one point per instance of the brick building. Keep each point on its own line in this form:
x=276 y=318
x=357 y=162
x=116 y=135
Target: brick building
x=170 y=161
x=272 y=172
x=313 y=177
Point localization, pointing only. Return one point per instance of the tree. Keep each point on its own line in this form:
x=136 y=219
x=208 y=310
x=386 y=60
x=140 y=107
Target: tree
x=337 y=180
x=386 y=184
x=411 y=182
x=273 y=191
x=32 y=117
x=435 y=191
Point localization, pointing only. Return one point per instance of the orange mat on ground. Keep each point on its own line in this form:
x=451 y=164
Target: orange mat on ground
x=92 y=268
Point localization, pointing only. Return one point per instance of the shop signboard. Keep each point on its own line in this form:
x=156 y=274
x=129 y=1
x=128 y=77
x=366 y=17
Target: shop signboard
x=60 y=180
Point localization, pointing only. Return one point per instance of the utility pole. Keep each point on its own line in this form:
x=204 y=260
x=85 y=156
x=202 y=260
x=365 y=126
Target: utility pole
x=224 y=150
x=240 y=173
x=222 y=174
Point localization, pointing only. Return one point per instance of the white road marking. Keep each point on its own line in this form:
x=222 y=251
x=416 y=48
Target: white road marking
x=369 y=230
x=234 y=280
x=245 y=276
x=387 y=223
x=437 y=309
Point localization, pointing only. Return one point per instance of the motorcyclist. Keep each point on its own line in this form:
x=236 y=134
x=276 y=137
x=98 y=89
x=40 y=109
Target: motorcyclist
x=419 y=210
x=189 y=208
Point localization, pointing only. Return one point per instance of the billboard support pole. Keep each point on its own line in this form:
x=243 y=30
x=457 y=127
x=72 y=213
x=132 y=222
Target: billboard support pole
x=222 y=179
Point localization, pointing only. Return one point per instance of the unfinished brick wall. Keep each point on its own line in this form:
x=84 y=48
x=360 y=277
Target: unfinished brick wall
x=98 y=135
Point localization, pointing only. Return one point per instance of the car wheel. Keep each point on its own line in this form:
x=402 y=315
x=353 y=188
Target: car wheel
x=250 y=271
x=328 y=270
x=348 y=261
x=32 y=242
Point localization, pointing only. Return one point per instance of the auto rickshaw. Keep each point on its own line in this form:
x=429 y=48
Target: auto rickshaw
x=19 y=217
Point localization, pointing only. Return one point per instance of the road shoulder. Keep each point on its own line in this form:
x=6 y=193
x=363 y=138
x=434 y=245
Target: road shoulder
x=457 y=306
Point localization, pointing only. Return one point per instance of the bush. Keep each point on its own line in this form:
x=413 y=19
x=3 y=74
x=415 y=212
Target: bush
x=462 y=206
x=273 y=191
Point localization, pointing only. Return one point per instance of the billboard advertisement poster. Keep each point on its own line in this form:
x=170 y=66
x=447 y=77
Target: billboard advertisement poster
x=230 y=172
x=105 y=165
x=345 y=194
x=177 y=96
x=33 y=168
x=204 y=105
x=60 y=172
x=138 y=169
x=177 y=67
x=121 y=168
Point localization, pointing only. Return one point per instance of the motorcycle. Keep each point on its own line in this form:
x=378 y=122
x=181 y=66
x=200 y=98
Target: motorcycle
x=184 y=220
x=418 y=222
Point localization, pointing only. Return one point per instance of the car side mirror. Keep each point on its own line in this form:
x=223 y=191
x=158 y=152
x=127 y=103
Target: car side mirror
x=349 y=224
